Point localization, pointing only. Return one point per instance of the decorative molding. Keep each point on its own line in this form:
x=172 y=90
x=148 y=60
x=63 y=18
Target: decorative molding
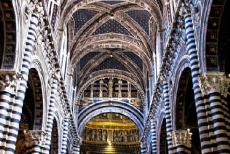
x=181 y=137
x=9 y=81
x=167 y=65
x=34 y=137
x=214 y=82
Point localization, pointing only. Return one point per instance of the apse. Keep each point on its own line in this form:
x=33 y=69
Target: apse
x=110 y=133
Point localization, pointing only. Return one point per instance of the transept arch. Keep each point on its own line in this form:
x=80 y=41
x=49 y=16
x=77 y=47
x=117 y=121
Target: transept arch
x=111 y=133
x=106 y=107
x=109 y=74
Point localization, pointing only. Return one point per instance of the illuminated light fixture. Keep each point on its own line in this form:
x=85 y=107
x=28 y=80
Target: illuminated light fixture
x=111 y=16
x=109 y=142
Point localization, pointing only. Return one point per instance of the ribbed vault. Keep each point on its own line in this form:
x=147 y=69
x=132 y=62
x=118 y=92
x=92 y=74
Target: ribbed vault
x=112 y=47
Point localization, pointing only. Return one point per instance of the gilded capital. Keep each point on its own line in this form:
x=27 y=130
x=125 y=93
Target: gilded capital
x=214 y=82
x=181 y=137
x=34 y=137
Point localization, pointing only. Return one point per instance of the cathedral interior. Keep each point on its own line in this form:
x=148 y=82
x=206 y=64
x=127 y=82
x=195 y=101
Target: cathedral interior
x=114 y=77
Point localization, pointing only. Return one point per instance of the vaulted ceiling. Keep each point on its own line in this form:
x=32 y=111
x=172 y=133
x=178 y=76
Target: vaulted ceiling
x=112 y=36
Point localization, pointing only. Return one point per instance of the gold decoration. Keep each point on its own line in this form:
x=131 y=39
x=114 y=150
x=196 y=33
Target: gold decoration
x=34 y=137
x=181 y=137
x=214 y=82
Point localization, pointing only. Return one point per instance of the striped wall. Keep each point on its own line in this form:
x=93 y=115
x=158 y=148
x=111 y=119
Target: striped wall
x=11 y=113
x=50 y=117
x=211 y=116
x=201 y=107
x=168 y=116
x=144 y=148
x=220 y=121
x=104 y=107
x=153 y=137
x=76 y=148
x=65 y=135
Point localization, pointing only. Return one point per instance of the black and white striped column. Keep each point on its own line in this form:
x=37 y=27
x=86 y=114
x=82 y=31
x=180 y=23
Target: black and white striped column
x=168 y=117
x=219 y=113
x=76 y=149
x=51 y=110
x=65 y=135
x=12 y=112
x=153 y=137
x=201 y=106
x=143 y=148
x=7 y=98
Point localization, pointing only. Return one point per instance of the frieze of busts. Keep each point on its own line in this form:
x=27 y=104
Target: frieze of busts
x=9 y=81
x=214 y=82
x=34 y=137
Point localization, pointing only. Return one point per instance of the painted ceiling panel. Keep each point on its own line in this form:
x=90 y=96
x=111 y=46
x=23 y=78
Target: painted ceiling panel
x=112 y=26
x=81 y=17
x=110 y=63
x=142 y=17
x=87 y=58
x=137 y=60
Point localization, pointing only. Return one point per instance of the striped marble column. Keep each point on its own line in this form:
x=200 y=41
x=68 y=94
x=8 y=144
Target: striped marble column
x=8 y=84
x=65 y=135
x=76 y=149
x=153 y=137
x=202 y=107
x=168 y=116
x=143 y=148
x=50 y=118
x=12 y=112
x=214 y=86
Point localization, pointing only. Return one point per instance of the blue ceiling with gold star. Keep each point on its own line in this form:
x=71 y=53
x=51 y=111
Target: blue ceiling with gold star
x=112 y=26
x=82 y=16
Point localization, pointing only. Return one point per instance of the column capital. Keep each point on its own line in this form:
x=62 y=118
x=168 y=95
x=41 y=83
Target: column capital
x=181 y=137
x=214 y=82
x=9 y=80
x=34 y=7
x=34 y=137
x=185 y=8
